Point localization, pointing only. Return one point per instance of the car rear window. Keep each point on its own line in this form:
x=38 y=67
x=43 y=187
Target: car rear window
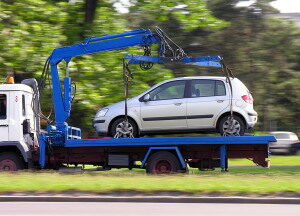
x=290 y=136
x=282 y=136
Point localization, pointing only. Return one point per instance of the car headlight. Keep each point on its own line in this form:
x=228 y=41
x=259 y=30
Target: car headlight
x=101 y=113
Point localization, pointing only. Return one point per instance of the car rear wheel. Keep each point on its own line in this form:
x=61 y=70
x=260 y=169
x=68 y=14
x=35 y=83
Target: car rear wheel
x=122 y=128
x=10 y=161
x=232 y=126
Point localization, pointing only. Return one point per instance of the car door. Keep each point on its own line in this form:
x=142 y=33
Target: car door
x=207 y=98
x=3 y=117
x=166 y=109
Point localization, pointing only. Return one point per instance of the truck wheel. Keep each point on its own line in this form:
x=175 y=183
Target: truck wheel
x=119 y=129
x=231 y=127
x=163 y=162
x=10 y=161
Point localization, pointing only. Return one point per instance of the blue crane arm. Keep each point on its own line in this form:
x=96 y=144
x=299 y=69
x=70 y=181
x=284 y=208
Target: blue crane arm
x=210 y=61
x=62 y=102
x=142 y=37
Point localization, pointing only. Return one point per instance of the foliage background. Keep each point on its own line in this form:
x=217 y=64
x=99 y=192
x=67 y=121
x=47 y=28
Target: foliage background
x=262 y=50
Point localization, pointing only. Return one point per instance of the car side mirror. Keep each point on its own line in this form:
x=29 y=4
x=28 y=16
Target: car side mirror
x=146 y=98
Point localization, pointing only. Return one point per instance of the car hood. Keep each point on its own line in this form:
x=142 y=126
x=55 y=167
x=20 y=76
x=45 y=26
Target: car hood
x=130 y=103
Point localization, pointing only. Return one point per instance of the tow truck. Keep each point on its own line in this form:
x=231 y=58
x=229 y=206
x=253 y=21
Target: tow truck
x=23 y=145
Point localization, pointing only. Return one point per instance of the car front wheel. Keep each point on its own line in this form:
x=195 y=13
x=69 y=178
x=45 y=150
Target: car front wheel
x=122 y=128
x=232 y=126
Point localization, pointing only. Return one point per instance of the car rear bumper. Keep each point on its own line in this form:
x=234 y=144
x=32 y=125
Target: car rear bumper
x=282 y=150
x=252 y=119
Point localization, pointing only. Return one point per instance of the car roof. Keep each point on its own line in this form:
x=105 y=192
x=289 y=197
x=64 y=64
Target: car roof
x=198 y=77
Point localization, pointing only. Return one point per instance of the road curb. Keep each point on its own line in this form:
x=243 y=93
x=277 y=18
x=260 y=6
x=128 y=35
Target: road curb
x=154 y=199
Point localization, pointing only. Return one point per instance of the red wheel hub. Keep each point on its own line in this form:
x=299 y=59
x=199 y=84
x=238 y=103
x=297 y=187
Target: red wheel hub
x=162 y=166
x=8 y=165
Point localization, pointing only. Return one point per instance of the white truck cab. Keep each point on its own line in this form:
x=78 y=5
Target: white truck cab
x=18 y=126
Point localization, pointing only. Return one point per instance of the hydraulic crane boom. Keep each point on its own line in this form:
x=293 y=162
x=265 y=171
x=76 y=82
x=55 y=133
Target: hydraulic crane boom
x=62 y=102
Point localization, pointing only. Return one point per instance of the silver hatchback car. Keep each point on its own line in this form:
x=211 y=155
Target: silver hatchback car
x=180 y=105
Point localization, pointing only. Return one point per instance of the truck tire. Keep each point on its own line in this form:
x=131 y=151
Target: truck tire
x=132 y=130
x=10 y=161
x=238 y=126
x=163 y=162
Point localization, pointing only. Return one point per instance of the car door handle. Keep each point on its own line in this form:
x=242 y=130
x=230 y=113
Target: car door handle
x=177 y=104
x=220 y=101
x=4 y=125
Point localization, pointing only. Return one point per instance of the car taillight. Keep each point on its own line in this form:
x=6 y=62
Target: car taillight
x=248 y=98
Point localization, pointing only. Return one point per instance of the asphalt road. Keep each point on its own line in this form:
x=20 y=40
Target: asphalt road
x=149 y=209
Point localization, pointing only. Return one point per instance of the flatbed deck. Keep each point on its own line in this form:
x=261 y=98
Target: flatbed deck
x=200 y=152
x=167 y=141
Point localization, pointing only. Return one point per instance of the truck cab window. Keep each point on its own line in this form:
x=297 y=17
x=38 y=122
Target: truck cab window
x=23 y=105
x=3 y=107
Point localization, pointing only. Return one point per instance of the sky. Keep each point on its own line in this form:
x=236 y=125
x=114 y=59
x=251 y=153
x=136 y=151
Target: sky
x=284 y=6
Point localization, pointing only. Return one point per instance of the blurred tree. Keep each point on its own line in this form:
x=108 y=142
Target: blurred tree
x=28 y=32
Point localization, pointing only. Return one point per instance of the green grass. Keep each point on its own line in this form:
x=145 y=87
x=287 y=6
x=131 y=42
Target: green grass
x=257 y=181
x=238 y=181
x=250 y=180
x=275 y=161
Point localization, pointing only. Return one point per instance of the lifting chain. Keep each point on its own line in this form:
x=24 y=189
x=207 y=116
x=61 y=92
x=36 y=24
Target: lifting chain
x=231 y=124
x=124 y=128
x=146 y=65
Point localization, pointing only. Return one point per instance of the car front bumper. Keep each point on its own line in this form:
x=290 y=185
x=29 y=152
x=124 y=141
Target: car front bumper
x=101 y=126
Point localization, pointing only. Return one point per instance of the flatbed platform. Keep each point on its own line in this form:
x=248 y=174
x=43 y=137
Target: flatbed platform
x=200 y=152
x=167 y=141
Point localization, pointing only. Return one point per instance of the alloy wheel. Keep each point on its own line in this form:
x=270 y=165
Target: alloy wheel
x=231 y=127
x=124 y=130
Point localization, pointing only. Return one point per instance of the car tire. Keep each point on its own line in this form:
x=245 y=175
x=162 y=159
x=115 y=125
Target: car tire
x=10 y=161
x=294 y=152
x=118 y=129
x=163 y=162
x=238 y=128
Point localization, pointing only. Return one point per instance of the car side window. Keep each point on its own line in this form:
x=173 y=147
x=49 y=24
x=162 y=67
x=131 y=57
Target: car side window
x=3 y=107
x=207 y=88
x=168 y=91
x=202 y=88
